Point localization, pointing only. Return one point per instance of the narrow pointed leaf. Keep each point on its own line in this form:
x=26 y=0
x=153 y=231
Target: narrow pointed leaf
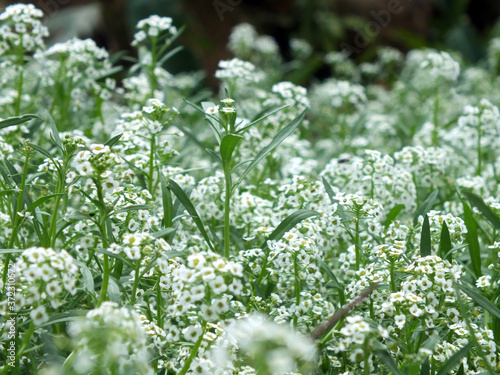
x=114 y=290
x=472 y=240
x=393 y=214
x=277 y=140
x=445 y=243
x=426 y=368
x=425 y=238
x=134 y=207
x=480 y=300
x=455 y=359
x=329 y=190
x=43 y=200
x=166 y=197
x=112 y=141
x=227 y=147
x=88 y=279
x=163 y=232
x=261 y=118
x=54 y=131
x=426 y=206
x=487 y=212
x=11 y=121
x=387 y=360
x=288 y=223
x=188 y=205
x=44 y=152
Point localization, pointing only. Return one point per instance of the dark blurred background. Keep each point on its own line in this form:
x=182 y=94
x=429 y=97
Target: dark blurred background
x=462 y=25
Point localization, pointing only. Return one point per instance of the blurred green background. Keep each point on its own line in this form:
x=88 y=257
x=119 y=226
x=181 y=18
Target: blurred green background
x=462 y=25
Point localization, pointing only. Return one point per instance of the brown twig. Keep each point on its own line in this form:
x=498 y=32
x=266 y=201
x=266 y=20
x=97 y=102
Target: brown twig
x=322 y=329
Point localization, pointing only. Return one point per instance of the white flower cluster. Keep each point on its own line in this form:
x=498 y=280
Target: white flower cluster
x=46 y=276
x=440 y=65
x=110 y=337
x=269 y=347
x=21 y=28
x=236 y=69
x=154 y=27
x=339 y=94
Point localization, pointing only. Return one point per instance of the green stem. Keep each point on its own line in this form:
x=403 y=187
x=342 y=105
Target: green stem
x=159 y=305
x=367 y=357
x=479 y=162
x=227 y=208
x=26 y=340
x=53 y=222
x=393 y=280
x=20 y=82
x=264 y=266
x=151 y=164
x=357 y=246
x=297 y=287
x=154 y=58
x=105 y=280
x=17 y=218
x=194 y=352
x=136 y=281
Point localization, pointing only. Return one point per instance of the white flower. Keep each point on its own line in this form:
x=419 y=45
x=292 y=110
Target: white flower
x=39 y=315
x=53 y=288
x=218 y=285
x=192 y=333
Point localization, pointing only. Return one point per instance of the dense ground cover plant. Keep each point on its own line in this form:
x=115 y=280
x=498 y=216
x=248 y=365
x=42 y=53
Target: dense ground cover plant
x=148 y=230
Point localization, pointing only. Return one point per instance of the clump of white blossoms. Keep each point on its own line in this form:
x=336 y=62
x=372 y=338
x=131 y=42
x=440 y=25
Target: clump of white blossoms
x=237 y=70
x=440 y=65
x=265 y=346
x=21 y=28
x=154 y=27
x=45 y=276
x=113 y=338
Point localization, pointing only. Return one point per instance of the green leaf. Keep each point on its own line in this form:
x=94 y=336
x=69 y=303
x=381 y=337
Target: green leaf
x=472 y=240
x=445 y=243
x=426 y=368
x=261 y=118
x=329 y=190
x=168 y=206
x=43 y=200
x=54 y=131
x=116 y=256
x=188 y=205
x=393 y=213
x=88 y=279
x=114 y=290
x=112 y=141
x=425 y=238
x=163 y=232
x=330 y=274
x=480 y=300
x=67 y=316
x=10 y=251
x=288 y=223
x=277 y=140
x=77 y=215
x=44 y=152
x=455 y=359
x=134 y=207
x=478 y=202
x=387 y=360
x=11 y=121
x=227 y=147
x=426 y=206
x=170 y=54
